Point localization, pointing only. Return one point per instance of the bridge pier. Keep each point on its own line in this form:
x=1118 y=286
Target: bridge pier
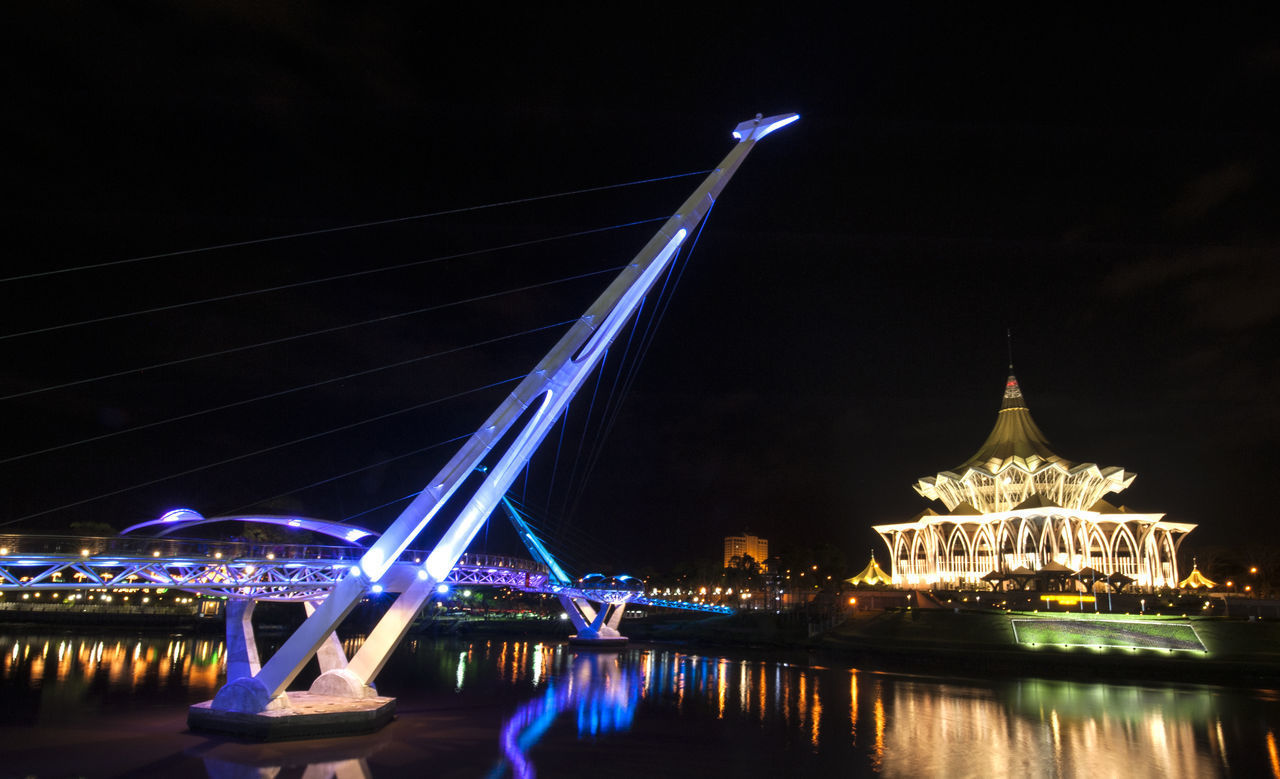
x=242 y=660
x=242 y=647
x=596 y=626
x=339 y=702
x=336 y=677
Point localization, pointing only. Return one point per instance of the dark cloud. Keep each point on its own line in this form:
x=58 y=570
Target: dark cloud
x=1212 y=190
x=1220 y=288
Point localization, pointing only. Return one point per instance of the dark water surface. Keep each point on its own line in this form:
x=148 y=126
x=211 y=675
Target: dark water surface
x=115 y=705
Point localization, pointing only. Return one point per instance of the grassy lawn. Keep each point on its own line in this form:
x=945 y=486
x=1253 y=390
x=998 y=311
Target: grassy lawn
x=1142 y=634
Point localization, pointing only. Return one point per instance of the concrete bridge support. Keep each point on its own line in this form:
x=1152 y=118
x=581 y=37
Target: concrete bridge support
x=595 y=624
x=355 y=679
x=242 y=648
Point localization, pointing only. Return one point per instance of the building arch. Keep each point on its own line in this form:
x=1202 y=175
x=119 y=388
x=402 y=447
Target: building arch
x=1028 y=544
x=985 y=556
x=959 y=553
x=1125 y=553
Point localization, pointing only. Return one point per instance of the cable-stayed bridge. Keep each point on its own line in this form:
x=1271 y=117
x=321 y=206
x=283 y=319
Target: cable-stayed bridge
x=470 y=487
x=274 y=572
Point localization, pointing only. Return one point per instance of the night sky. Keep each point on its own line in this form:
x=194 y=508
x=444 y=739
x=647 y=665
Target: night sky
x=1104 y=187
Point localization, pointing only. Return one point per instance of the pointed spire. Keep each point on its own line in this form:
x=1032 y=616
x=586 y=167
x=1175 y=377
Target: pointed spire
x=1012 y=393
x=1015 y=433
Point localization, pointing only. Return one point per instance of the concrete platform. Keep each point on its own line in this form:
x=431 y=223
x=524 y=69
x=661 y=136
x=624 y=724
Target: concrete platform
x=598 y=643
x=308 y=716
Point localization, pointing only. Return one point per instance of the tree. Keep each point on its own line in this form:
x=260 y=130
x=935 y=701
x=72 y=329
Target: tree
x=743 y=572
x=92 y=528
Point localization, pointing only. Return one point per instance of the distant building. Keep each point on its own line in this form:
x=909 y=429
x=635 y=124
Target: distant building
x=739 y=546
x=1018 y=512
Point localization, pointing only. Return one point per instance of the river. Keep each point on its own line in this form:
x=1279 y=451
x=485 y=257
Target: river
x=114 y=704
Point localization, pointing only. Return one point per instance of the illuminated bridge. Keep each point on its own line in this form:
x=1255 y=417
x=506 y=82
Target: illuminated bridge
x=252 y=571
x=461 y=496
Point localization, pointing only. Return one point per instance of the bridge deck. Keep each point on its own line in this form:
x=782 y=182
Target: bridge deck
x=256 y=571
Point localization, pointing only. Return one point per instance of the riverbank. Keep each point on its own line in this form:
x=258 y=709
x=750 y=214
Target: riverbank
x=176 y=618
x=1233 y=651
x=1236 y=652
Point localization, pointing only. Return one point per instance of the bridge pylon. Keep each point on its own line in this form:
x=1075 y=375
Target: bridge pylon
x=596 y=624
x=539 y=400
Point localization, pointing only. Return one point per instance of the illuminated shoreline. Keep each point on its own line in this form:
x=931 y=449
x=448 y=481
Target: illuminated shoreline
x=983 y=643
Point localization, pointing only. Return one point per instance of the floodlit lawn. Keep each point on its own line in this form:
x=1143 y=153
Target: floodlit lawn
x=1098 y=632
x=1222 y=638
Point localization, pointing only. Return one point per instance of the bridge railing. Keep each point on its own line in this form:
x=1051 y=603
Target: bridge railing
x=500 y=561
x=14 y=546
x=170 y=547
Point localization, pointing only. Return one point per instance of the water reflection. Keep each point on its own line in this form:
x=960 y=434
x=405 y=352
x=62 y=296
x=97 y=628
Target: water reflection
x=534 y=705
x=353 y=768
x=66 y=669
x=334 y=759
x=602 y=693
x=898 y=725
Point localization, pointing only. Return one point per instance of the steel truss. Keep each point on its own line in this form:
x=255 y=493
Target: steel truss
x=289 y=580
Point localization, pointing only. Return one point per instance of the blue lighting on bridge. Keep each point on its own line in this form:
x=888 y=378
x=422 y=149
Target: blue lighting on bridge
x=777 y=125
x=751 y=130
x=181 y=519
x=442 y=589
x=532 y=543
x=178 y=515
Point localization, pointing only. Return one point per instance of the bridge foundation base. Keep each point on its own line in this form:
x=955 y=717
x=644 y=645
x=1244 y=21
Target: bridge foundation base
x=602 y=642
x=308 y=715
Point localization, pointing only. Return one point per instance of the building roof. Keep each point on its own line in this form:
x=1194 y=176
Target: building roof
x=1015 y=465
x=1195 y=580
x=873 y=574
x=1014 y=437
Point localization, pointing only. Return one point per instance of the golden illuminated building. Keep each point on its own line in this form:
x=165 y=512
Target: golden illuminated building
x=1015 y=507
x=746 y=545
x=1196 y=580
x=870 y=576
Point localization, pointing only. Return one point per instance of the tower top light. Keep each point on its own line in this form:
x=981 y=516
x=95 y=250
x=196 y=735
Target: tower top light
x=755 y=129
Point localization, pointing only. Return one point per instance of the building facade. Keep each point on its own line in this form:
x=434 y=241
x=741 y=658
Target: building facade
x=746 y=544
x=1015 y=509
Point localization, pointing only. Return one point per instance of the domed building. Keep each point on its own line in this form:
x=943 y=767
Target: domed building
x=1017 y=510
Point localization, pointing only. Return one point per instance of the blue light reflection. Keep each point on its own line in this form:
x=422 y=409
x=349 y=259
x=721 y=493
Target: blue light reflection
x=598 y=689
